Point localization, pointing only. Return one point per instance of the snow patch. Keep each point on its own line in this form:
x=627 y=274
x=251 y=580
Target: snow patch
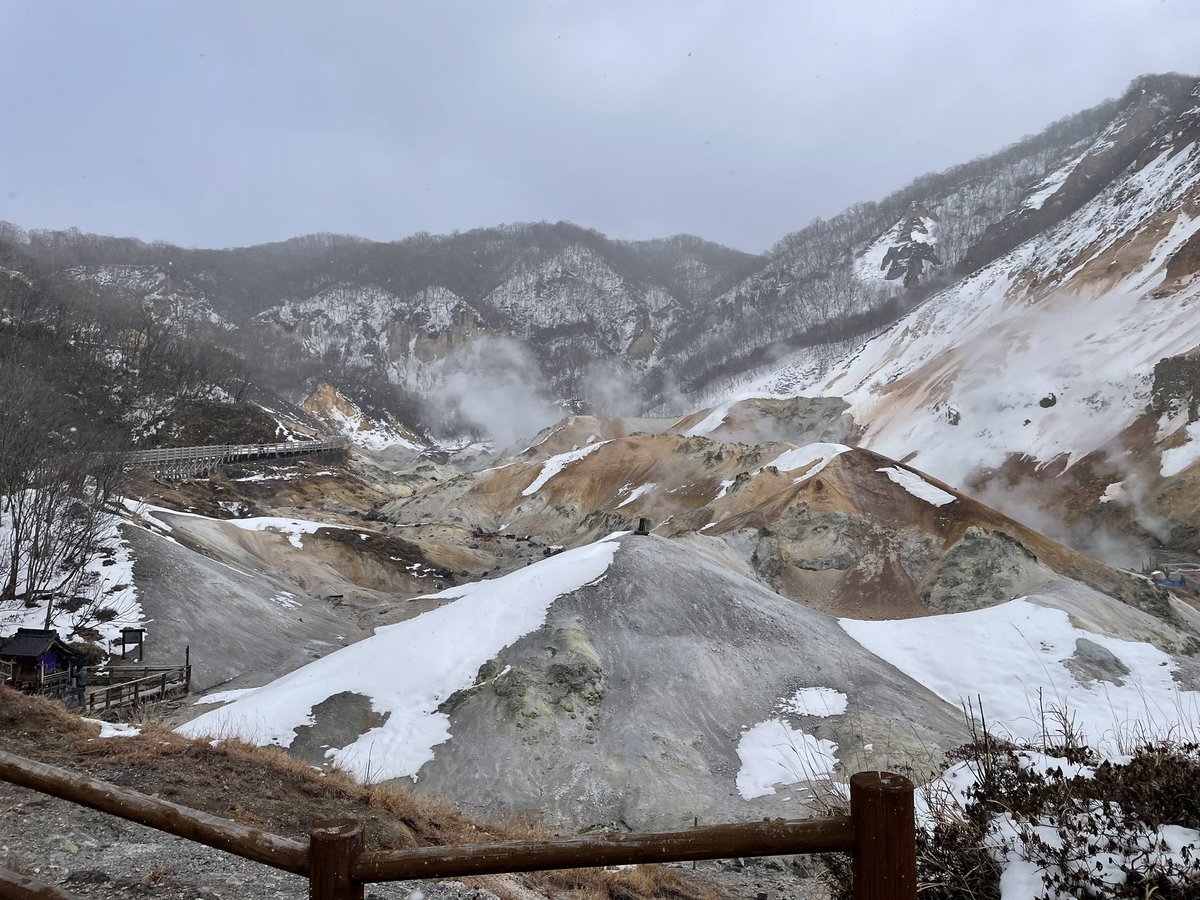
x=556 y=464
x=816 y=701
x=773 y=752
x=917 y=486
x=640 y=491
x=408 y=669
x=821 y=453
x=1177 y=459
x=114 y=729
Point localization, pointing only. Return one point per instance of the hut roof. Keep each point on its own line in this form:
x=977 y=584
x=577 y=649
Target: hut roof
x=33 y=642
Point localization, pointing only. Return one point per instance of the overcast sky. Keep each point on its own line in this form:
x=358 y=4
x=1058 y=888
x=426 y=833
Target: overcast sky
x=215 y=123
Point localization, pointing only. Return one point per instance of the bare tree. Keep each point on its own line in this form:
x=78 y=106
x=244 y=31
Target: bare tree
x=57 y=479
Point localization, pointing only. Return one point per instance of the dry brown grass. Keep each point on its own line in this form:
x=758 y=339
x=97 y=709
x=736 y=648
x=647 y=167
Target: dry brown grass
x=268 y=788
x=157 y=872
x=617 y=884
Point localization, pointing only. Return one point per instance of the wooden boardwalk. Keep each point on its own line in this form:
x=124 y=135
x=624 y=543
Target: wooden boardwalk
x=134 y=685
x=186 y=462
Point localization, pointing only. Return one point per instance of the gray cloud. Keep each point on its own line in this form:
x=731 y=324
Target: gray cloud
x=212 y=123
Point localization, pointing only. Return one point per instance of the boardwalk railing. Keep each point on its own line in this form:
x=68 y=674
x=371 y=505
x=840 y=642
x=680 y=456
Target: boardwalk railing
x=134 y=685
x=880 y=832
x=185 y=461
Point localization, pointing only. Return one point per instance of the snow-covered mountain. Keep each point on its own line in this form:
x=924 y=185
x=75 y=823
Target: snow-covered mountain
x=674 y=315
x=1063 y=373
x=1032 y=311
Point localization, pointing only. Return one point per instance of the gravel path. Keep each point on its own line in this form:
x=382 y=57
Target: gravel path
x=92 y=854
x=96 y=855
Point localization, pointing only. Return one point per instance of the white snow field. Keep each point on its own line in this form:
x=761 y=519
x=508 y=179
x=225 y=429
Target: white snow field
x=773 y=752
x=407 y=669
x=776 y=752
x=1013 y=657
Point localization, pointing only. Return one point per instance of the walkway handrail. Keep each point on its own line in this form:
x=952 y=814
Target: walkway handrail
x=880 y=832
x=233 y=451
x=767 y=838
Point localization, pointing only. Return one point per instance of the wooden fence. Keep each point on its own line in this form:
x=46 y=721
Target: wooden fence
x=134 y=685
x=880 y=832
x=188 y=461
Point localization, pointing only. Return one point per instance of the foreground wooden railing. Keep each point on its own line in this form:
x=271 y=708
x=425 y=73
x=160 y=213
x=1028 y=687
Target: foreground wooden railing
x=880 y=832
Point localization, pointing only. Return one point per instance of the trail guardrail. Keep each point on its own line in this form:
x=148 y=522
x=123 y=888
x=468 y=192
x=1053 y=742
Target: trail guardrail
x=880 y=832
x=183 y=462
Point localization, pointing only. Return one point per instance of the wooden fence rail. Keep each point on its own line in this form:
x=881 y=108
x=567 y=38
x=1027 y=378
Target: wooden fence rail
x=15 y=886
x=879 y=832
x=133 y=685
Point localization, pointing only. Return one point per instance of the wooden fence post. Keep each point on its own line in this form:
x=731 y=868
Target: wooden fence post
x=885 y=837
x=332 y=848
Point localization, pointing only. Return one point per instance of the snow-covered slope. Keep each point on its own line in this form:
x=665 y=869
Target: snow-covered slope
x=1054 y=353
x=343 y=416
x=638 y=682
x=408 y=669
x=837 y=528
x=1049 y=350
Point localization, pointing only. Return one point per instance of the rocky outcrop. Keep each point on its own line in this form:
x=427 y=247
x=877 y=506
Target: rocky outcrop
x=982 y=569
x=1177 y=386
x=914 y=249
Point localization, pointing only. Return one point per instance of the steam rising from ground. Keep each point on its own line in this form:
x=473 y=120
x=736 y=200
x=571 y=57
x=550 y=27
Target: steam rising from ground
x=611 y=388
x=1028 y=502
x=494 y=389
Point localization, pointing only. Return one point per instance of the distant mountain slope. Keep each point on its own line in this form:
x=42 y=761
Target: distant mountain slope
x=830 y=281
x=672 y=314
x=838 y=528
x=1072 y=358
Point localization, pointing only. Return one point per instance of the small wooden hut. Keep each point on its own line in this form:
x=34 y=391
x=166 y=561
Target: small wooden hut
x=39 y=658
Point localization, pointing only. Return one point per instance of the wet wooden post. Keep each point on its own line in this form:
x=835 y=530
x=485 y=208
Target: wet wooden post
x=332 y=849
x=21 y=887
x=885 y=836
